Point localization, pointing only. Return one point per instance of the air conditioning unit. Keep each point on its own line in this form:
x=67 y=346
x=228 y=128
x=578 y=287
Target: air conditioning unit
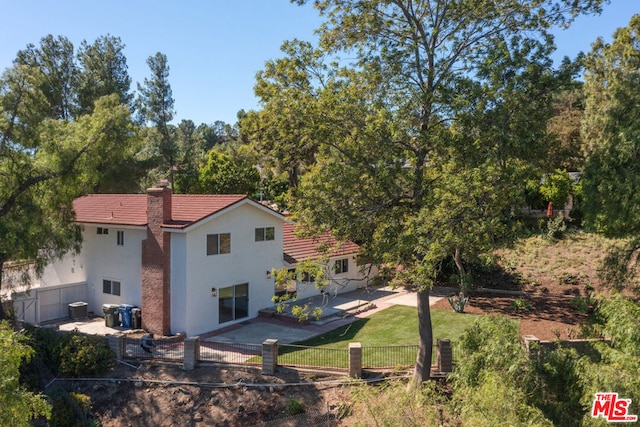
x=78 y=310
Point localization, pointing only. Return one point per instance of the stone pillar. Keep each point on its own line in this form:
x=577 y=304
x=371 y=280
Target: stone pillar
x=118 y=344
x=355 y=359
x=444 y=355
x=531 y=345
x=269 y=356
x=191 y=353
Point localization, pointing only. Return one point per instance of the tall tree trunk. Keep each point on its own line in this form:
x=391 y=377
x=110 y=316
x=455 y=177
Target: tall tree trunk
x=461 y=271
x=422 y=371
x=2 y=261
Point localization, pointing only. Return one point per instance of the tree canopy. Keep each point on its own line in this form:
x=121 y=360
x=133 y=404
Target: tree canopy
x=50 y=152
x=422 y=139
x=611 y=131
x=18 y=407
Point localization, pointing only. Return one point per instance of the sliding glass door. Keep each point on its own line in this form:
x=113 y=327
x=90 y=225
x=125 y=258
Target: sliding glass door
x=233 y=302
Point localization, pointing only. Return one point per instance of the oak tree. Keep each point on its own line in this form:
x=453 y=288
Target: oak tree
x=425 y=130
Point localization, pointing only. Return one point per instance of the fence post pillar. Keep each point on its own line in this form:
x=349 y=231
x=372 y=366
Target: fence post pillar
x=532 y=345
x=118 y=344
x=355 y=359
x=269 y=356
x=191 y=353
x=444 y=355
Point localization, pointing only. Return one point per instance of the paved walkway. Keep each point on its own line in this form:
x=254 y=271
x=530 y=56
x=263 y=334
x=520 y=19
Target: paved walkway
x=255 y=331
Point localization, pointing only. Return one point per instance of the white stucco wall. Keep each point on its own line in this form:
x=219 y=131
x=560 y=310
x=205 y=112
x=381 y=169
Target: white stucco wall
x=193 y=309
x=101 y=258
x=340 y=283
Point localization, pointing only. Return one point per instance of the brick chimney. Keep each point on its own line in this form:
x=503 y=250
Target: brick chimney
x=156 y=262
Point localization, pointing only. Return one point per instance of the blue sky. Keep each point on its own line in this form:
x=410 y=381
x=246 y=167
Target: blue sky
x=214 y=47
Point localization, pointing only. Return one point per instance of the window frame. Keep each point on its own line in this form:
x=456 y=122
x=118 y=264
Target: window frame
x=265 y=234
x=120 y=238
x=233 y=303
x=102 y=231
x=218 y=244
x=112 y=288
x=341 y=266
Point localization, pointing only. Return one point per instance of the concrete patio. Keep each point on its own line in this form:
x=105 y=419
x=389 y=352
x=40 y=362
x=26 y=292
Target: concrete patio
x=337 y=310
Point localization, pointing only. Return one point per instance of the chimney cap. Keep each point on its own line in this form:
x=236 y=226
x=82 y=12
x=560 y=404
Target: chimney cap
x=163 y=183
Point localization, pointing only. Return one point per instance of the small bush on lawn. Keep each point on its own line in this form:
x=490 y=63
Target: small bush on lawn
x=85 y=355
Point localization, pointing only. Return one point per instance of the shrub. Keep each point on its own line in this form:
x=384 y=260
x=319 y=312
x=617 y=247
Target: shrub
x=458 y=303
x=85 y=355
x=496 y=402
x=392 y=403
x=294 y=406
x=70 y=409
x=556 y=228
x=579 y=304
x=521 y=304
x=492 y=343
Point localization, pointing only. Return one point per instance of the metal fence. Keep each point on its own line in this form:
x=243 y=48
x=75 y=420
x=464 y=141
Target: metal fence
x=232 y=353
x=170 y=349
x=313 y=357
x=388 y=357
x=290 y=355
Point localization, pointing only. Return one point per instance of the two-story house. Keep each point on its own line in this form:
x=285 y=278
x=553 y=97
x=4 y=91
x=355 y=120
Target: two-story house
x=192 y=263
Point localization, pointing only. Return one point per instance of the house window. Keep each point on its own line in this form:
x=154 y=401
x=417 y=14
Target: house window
x=111 y=287
x=218 y=243
x=103 y=230
x=305 y=277
x=120 y=238
x=265 y=233
x=341 y=266
x=233 y=303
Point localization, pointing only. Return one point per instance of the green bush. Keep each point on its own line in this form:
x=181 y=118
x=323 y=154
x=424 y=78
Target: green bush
x=66 y=354
x=70 y=409
x=556 y=228
x=521 y=304
x=581 y=305
x=294 y=406
x=85 y=355
x=392 y=403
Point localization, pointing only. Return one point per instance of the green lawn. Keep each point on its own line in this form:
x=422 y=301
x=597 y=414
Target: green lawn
x=394 y=326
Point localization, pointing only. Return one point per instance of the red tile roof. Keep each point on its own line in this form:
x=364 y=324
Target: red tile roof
x=131 y=209
x=189 y=208
x=298 y=249
x=118 y=209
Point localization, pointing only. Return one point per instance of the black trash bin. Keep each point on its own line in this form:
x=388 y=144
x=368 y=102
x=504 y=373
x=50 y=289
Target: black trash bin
x=136 y=318
x=125 y=315
x=111 y=317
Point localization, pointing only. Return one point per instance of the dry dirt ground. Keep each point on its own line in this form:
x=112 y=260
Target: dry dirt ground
x=165 y=395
